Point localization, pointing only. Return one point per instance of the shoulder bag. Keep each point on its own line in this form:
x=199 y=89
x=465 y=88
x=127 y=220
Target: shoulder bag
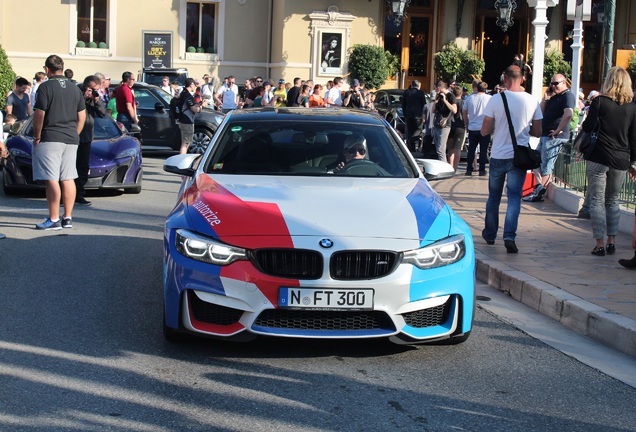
x=525 y=158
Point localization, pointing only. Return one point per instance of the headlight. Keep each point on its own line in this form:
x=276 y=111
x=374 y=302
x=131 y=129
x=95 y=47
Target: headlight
x=441 y=253
x=207 y=250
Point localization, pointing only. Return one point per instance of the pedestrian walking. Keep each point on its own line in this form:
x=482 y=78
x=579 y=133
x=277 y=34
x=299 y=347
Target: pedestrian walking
x=525 y=115
x=474 y=117
x=413 y=103
x=613 y=154
x=58 y=118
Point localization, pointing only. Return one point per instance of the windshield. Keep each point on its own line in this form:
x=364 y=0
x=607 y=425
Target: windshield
x=307 y=148
x=105 y=128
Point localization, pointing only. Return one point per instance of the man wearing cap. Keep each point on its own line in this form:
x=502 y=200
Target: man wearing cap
x=355 y=152
x=280 y=94
x=353 y=98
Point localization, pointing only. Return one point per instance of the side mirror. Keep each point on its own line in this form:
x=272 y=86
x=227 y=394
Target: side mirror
x=181 y=164
x=160 y=108
x=434 y=169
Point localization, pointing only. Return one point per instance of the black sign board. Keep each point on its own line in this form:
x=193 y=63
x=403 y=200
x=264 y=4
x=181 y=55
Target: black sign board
x=157 y=50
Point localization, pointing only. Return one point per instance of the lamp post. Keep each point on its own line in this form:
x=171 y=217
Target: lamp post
x=505 y=8
x=397 y=9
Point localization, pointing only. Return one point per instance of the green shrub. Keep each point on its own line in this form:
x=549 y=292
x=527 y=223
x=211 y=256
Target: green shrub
x=92 y=44
x=455 y=64
x=200 y=50
x=7 y=77
x=554 y=63
x=368 y=63
x=80 y=44
x=102 y=45
x=210 y=50
x=191 y=49
x=631 y=68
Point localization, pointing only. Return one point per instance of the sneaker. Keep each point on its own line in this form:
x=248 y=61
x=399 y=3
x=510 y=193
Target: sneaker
x=536 y=195
x=468 y=173
x=67 y=222
x=82 y=201
x=482 y=173
x=584 y=214
x=541 y=190
x=48 y=224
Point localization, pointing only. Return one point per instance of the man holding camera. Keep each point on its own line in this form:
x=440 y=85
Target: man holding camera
x=445 y=107
x=189 y=107
x=354 y=98
x=94 y=108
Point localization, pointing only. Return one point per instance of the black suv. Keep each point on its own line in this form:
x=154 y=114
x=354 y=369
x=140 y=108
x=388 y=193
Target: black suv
x=153 y=76
x=159 y=131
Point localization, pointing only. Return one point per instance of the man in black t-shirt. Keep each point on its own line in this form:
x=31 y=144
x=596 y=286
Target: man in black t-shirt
x=58 y=118
x=188 y=108
x=293 y=93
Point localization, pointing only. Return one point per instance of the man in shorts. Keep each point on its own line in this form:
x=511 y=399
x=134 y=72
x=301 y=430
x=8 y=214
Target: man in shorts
x=189 y=107
x=58 y=118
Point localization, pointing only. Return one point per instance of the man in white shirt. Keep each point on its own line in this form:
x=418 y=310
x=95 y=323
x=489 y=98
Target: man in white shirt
x=165 y=86
x=474 y=118
x=227 y=96
x=207 y=89
x=526 y=116
x=334 y=96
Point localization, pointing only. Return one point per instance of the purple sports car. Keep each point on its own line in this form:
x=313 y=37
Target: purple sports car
x=115 y=161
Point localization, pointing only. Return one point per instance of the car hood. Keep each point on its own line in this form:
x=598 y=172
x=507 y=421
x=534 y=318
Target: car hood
x=230 y=206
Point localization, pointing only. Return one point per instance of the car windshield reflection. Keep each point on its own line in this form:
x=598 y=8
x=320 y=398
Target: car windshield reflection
x=307 y=148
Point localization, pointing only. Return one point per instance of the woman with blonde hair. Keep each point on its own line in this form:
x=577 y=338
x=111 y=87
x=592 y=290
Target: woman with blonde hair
x=613 y=154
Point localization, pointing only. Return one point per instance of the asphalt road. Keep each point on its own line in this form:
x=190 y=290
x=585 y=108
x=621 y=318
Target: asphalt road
x=81 y=349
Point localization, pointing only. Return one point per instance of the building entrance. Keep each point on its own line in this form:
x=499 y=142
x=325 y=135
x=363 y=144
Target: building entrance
x=497 y=47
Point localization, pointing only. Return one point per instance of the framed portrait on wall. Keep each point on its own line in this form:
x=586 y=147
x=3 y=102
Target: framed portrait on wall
x=331 y=52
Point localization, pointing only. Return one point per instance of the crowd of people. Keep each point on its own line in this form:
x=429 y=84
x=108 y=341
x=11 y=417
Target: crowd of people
x=62 y=131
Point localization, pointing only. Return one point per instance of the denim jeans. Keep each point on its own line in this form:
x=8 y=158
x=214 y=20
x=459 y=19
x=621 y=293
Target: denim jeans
x=474 y=138
x=125 y=120
x=549 y=149
x=440 y=136
x=604 y=185
x=503 y=171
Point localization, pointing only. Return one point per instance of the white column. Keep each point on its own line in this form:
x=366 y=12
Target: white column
x=577 y=47
x=538 y=45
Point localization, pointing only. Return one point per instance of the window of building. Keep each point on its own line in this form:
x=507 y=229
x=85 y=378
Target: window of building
x=200 y=26
x=92 y=21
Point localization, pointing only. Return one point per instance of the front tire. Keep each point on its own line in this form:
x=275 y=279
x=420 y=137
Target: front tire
x=200 y=141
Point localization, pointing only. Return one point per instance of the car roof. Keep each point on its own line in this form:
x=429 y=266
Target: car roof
x=340 y=115
x=165 y=71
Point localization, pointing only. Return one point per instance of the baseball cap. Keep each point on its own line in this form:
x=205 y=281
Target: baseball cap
x=592 y=94
x=267 y=83
x=281 y=81
x=355 y=83
x=354 y=139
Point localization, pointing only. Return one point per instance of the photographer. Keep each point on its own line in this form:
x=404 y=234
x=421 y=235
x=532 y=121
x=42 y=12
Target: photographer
x=443 y=110
x=94 y=108
x=353 y=98
x=189 y=107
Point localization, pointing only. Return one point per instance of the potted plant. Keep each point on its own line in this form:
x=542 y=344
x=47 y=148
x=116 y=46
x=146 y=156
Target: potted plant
x=456 y=64
x=80 y=44
x=370 y=64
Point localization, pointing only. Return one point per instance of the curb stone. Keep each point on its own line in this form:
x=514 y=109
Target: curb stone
x=573 y=312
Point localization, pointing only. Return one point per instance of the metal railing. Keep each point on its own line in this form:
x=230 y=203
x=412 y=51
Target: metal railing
x=569 y=170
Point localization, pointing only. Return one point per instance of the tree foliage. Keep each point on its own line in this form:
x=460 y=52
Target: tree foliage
x=455 y=64
x=553 y=63
x=7 y=77
x=631 y=68
x=370 y=64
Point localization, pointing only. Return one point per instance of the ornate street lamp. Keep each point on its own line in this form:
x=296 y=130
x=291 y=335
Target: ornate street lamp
x=506 y=8
x=397 y=8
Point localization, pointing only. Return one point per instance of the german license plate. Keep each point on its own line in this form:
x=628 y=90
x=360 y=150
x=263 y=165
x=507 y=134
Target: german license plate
x=310 y=298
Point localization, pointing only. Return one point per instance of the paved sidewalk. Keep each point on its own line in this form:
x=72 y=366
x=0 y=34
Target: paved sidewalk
x=554 y=271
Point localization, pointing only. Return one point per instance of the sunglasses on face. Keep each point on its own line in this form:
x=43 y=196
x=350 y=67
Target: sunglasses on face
x=354 y=150
x=555 y=83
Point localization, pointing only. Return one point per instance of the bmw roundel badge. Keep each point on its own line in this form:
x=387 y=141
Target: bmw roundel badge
x=325 y=243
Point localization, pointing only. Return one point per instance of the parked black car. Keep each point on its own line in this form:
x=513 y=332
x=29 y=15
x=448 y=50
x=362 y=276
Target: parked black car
x=389 y=105
x=159 y=131
x=153 y=75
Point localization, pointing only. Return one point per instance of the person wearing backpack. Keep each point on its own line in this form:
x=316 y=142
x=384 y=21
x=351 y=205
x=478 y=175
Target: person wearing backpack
x=187 y=109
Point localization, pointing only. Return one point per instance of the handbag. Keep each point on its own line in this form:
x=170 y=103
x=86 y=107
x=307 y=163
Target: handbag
x=525 y=158
x=585 y=142
x=439 y=121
